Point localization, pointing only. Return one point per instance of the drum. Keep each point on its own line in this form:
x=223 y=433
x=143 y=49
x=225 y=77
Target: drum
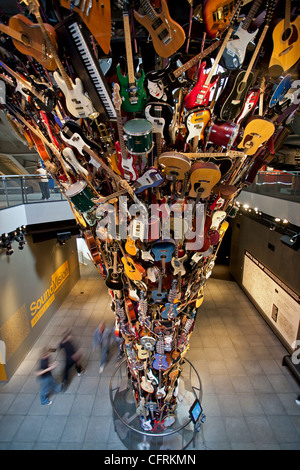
x=81 y=196
x=138 y=136
x=223 y=134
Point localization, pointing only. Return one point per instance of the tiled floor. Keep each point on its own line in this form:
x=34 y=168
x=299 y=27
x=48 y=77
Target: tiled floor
x=248 y=396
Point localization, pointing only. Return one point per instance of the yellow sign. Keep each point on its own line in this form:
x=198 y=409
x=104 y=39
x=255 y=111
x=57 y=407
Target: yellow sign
x=39 y=307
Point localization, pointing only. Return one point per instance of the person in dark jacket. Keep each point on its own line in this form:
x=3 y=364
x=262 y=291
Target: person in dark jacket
x=47 y=381
x=73 y=357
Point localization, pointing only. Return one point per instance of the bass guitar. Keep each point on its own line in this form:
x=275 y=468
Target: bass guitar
x=235 y=51
x=126 y=162
x=167 y=35
x=286 y=43
x=232 y=98
x=78 y=104
x=132 y=90
x=29 y=39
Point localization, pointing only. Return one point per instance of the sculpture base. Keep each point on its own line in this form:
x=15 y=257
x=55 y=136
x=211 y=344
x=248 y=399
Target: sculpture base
x=127 y=422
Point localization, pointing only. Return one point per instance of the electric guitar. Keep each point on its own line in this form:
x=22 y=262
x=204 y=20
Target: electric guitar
x=201 y=92
x=235 y=51
x=151 y=178
x=126 y=162
x=167 y=35
x=160 y=115
x=97 y=18
x=286 y=43
x=43 y=96
x=78 y=104
x=132 y=90
x=231 y=100
x=170 y=310
x=217 y=15
x=196 y=121
x=280 y=90
x=29 y=39
x=169 y=77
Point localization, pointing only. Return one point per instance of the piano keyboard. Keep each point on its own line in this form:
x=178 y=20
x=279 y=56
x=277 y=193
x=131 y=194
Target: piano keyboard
x=86 y=66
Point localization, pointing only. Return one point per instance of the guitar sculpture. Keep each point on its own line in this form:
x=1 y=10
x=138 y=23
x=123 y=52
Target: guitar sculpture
x=152 y=193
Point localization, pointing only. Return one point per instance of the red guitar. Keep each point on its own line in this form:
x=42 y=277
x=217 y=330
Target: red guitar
x=199 y=96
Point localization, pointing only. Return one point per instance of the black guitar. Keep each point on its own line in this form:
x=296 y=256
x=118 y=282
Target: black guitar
x=232 y=98
x=114 y=278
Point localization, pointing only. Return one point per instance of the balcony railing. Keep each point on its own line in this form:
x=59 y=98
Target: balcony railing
x=25 y=189
x=278 y=184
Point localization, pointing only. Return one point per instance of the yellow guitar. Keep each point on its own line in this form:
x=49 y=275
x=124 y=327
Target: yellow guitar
x=130 y=246
x=204 y=176
x=286 y=43
x=257 y=132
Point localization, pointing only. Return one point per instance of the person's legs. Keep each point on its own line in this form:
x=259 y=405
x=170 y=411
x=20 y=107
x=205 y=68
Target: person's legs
x=44 y=390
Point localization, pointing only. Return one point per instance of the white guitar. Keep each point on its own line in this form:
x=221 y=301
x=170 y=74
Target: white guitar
x=217 y=218
x=78 y=104
x=69 y=155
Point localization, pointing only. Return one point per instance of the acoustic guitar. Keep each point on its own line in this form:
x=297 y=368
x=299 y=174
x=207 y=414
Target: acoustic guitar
x=174 y=165
x=28 y=39
x=97 y=18
x=257 y=132
x=286 y=43
x=204 y=176
x=167 y=35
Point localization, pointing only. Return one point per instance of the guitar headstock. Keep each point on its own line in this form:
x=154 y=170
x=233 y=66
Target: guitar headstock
x=116 y=96
x=270 y=10
x=33 y=6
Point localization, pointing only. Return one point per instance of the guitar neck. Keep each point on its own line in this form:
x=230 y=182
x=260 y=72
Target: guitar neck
x=183 y=68
x=287 y=17
x=121 y=135
x=247 y=22
x=128 y=47
x=255 y=54
x=53 y=52
x=218 y=57
x=17 y=77
x=148 y=9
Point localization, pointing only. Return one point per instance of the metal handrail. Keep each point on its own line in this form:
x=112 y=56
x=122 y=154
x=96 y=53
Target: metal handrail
x=25 y=189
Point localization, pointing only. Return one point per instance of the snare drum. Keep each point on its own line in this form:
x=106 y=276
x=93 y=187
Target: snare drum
x=138 y=136
x=223 y=134
x=81 y=196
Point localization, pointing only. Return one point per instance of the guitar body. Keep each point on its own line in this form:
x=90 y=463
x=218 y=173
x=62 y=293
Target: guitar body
x=126 y=166
x=204 y=176
x=280 y=90
x=78 y=104
x=114 y=279
x=167 y=35
x=257 y=132
x=130 y=246
x=132 y=104
x=200 y=94
x=178 y=265
x=286 y=46
x=235 y=51
x=174 y=164
x=134 y=271
x=34 y=43
x=234 y=96
x=250 y=103
x=196 y=122
x=160 y=115
x=160 y=362
x=217 y=15
x=97 y=18
x=152 y=178
x=163 y=251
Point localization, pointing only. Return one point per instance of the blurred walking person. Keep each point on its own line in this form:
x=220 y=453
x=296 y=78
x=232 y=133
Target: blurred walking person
x=47 y=381
x=73 y=357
